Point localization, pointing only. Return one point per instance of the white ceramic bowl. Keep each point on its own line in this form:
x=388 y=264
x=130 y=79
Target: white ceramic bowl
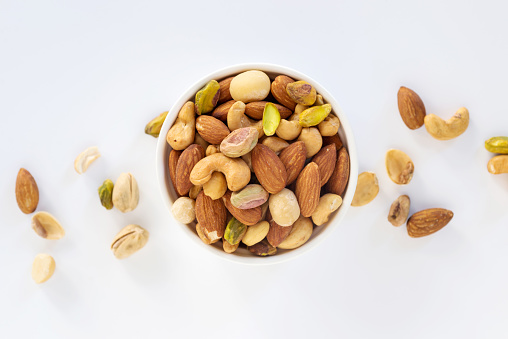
x=242 y=255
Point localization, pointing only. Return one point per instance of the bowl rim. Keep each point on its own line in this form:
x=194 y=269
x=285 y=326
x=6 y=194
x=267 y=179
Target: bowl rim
x=335 y=220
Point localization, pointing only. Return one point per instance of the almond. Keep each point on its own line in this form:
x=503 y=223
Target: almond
x=173 y=161
x=262 y=248
x=248 y=217
x=334 y=139
x=269 y=169
x=211 y=216
x=411 y=108
x=188 y=159
x=27 y=192
x=428 y=221
x=308 y=188
x=225 y=95
x=211 y=129
x=221 y=112
x=293 y=157
x=279 y=91
x=255 y=110
x=326 y=159
x=339 y=178
x=277 y=234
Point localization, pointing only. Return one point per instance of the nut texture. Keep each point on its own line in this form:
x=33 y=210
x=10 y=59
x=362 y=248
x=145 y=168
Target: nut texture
x=411 y=108
x=449 y=129
x=211 y=215
x=277 y=234
x=329 y=126
x=106 y=194
x=237 y=119
x=255 y=110
x=312 y=139
x=188 y=159
x=399 y=166
x=85 y=159
x=207 y=97
x=46 y=226
x=497 y=145
x=221 y=111
x=248 y=217
x=314 y=115
x=284 y=207
x=239 y=142
x=279 y=91
x=183 y=210
x=182 y=133
x=301 y=92
x=236 y=171
x=308 y=188
x=126 y=193
x=399 y=211
x=334 y=139
x=250 y=86
x=235 y=231
x=216 y=187
x=250 y=196
x=300 y=233
x=269 y=169
x=293 y=157
x=129 y=240
x=328 y=204
x=27 y=192
x=271 y=119
x=498 y=164
x=211 y=129
x=428 y=221
x=256 y=233
x=224 y=94
x=43 y=268
x=367 y=189
x=326 y=159
x=153 y=128
x=340 y=176
x=202 y=236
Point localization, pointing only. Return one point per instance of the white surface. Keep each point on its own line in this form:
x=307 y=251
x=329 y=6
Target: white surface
x=93 y=73
x=242 y=255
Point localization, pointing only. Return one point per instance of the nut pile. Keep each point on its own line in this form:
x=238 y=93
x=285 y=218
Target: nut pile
x=257 y=162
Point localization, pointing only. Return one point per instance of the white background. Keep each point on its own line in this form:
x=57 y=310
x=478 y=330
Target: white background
x=83 y=73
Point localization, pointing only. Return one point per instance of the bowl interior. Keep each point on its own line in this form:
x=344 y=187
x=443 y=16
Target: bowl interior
x=242 y=255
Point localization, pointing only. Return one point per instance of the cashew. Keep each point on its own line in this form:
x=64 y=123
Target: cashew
x=288 y=130
x=237 y=119
x=198 y=139
x=275 y=144
x=449 y=129
x=312 y=140
x=216 y=186
x=329 y=126
x=212 y=149
x=181 y=134
x=236 y=171
x=498 y=164
x=328 y=204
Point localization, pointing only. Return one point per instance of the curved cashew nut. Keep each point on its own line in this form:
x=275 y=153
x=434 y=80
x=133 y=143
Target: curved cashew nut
x=237 y=119
x=312 y=140
x=449 y=129
x=181 y=134
x=329 y=126
x=235 y=169
x=290 y=129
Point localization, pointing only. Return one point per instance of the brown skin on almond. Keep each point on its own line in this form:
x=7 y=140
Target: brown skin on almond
x=278 y=90
x=269 y=169
x=334 y=139
x=411 y=108
x=173 y=161
x=27 y=192
x=211 y=214
x=308 y=189
x=211 y=129
x=428 y=221
x=326 y=159
x=255 y=110
x=221 y=111
x=293 y=157
x=225 y=95
x=248 y=217
x=277 y=234
x=188 y=159
x=340 y=176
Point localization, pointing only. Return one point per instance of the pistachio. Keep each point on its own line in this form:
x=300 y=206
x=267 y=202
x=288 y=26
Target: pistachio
x=367 y=189
x=271 y=119
x=301 y=92
x=256 y=233
x=126 y=193
x=235 y=231
x=153 y=128
x=239 y=142
x=129 y=240
x=46 y=226
x=262 y=248
x=399 y=211
x=207 y=98
x=399 y=166
x=250 y=196
x=497 y=145
x=85 y=158
x=42 y=268
x=314 y=115
x=105 y=194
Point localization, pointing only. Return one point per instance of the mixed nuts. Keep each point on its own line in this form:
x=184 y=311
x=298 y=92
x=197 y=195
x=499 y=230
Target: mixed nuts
x=267 y=169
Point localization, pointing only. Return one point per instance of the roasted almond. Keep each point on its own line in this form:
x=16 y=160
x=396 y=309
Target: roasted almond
x=428 y=221
x=188 y=159
x=27 y=192
x=339 y=178
x=326 y=159
x=225 y=95
x=308 y=188
x=334 y=139
x=248 y=217
x=269 y=169
x=293 y=157
x=173 y=161
x=211 y=129
x=221 y=111
x=279 y=91
x=211 y=216
x=411 y=108
x=277 y=234
x=255 y=110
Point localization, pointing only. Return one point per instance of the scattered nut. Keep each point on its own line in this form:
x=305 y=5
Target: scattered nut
x=27 y=192
x=153 y=128
x=184 y=210
x=256 y=233
x=428 y=221
x=182 y=133
x=42 y=268
x=85 y=159
x=497 y=145
x=207 y=97
x=284 y=207
x=216 y=187
x=411 y=108
x=301 y=92
x=498 y=164
x=328 y=204
x=399 y=166
x=46 y=226
x=126 y=193
x=312 y=139
x=106 y=194
x=367 y=189
x=449 y=129
x=250 y=86
x=129 y=240
x=399 y=211
x=300 y=233
x=239 y=142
